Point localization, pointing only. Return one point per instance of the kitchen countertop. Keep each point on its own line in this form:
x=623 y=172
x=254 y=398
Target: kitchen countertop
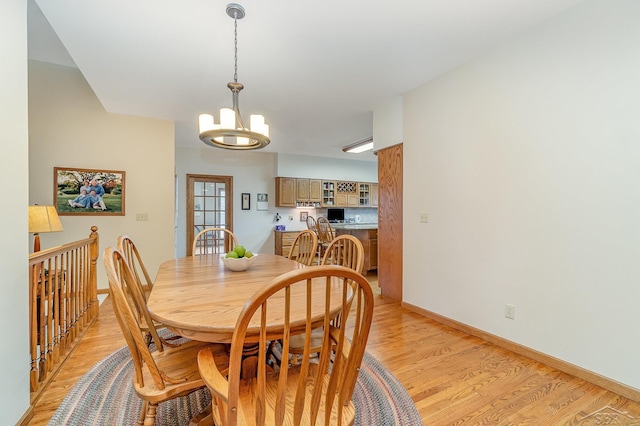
x=354 y=225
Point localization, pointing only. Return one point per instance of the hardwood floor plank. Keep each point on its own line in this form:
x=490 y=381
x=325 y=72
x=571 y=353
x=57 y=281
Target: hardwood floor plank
x=453 y=378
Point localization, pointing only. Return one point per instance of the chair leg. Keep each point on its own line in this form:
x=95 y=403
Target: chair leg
x=150 y=417
x=143 y=413
x=272 y=359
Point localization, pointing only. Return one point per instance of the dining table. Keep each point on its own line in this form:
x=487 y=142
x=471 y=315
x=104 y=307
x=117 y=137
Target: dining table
x=198 y=297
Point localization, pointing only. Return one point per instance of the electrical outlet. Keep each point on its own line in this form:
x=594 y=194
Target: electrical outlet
x=142 y=216
x=424 y=217
x=510 y=311
x=290 y=217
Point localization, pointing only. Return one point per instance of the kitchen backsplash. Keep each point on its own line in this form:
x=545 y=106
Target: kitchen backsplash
x=367 y=215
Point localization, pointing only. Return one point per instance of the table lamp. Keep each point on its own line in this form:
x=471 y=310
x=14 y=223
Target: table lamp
x=42 y=219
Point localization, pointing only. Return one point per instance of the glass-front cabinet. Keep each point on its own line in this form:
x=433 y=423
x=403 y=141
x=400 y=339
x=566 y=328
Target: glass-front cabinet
x=328 y=193
x=364 y=194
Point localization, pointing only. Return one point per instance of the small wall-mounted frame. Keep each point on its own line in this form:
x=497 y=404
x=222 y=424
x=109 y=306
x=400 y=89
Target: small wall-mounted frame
x=246 y=201
x=303 y=216
x=263 y=202
x=88 y=191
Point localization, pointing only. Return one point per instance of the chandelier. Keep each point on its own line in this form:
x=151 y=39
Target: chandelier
x=231 y=132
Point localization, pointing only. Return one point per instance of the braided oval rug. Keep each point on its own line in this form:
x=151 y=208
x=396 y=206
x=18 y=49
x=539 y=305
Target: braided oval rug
x=104 y=396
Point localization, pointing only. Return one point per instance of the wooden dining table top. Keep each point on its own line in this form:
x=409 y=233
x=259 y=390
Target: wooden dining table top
x=199 y=298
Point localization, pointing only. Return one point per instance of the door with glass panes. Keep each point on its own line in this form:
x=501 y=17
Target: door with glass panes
x=209 y=205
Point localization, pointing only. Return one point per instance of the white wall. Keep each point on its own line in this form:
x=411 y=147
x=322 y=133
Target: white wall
x=527 y=161
x=14 y=168
x=68 y=127
x=387 y=124
x=289 y=165
x=255 y=172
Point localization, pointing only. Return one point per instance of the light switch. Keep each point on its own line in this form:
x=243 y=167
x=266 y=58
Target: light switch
x=142 y=216
x=424 y=217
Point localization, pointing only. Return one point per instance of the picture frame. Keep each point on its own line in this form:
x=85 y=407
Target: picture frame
x=262 y=201
x=246 y=201
x=72 y=195
x=303 y=216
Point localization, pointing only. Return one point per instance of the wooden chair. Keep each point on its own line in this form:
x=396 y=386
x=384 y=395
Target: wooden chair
x=137 y=298
x=345 y=250
x=311 y=224
x=127 y=247
x=325 y=234
x=158 y=377
x=208 y=240
x=317 y=392
x=304 y=247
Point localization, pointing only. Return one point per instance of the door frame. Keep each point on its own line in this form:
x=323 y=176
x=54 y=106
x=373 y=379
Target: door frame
x=228 y=208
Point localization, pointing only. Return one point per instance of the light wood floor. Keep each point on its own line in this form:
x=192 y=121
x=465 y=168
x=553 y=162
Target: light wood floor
x=452 y=377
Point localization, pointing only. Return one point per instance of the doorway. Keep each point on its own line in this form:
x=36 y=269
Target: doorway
x=209 y=205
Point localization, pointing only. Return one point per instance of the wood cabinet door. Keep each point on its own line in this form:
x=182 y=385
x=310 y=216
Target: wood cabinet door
x=315 y=190
x=302 y=189
x=373 y=254
x=374 y=195
x=285 y=192
x=328 y=193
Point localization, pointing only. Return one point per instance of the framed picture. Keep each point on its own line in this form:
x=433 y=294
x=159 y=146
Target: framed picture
x=303 y=216
x=93 y=192
x=263 y=202
x=246 y=201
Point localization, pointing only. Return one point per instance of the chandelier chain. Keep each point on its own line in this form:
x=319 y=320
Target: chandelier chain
x=235 y=49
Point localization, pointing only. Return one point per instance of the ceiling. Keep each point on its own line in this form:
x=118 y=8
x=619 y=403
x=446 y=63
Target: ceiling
x=316 y=71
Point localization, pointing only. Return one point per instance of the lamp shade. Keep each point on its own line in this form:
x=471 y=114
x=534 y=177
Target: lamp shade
x=44 y=219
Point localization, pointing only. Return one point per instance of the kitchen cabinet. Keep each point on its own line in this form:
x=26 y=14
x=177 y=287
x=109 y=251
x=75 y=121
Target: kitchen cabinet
x=283 y=242
x=374 y=195
x=303 y=192
x=328 y=193
x=369 y=239
x=285 y=192
x=308 y=191
x=364 y=194
x=315 y=190
x=346 y=194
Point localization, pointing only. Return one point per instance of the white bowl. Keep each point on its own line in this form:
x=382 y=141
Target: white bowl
x=241 y=264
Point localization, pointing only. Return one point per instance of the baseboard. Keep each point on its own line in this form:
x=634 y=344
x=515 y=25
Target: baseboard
x=582 y=373
x=26 y=417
